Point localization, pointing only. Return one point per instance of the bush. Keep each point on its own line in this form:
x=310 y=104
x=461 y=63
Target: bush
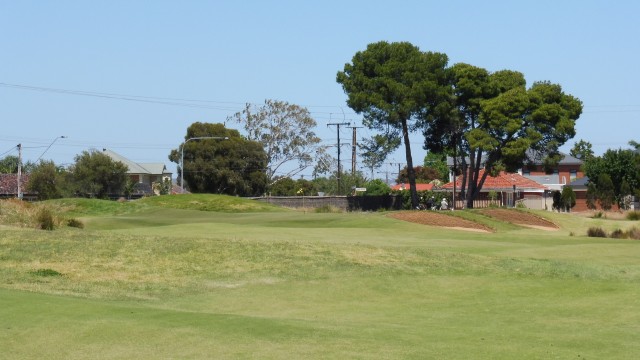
x=75 y=223
x=633 y=233
x=633 y=215
x=598 y=215
x=46 y=272
x=45 y=219
x=596 y=232
x=618 y=234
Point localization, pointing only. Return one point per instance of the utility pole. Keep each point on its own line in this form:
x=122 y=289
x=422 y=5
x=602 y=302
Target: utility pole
x=353 y=149
x=337 y=125
x=19 y=171
x=399 y=164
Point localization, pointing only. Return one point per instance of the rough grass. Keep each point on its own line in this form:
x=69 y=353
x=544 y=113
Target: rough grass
x=155 y=281
x=31 y=215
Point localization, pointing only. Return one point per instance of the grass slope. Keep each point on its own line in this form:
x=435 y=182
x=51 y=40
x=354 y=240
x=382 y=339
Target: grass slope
x=156 y=281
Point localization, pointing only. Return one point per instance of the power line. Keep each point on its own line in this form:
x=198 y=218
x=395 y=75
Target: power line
x=191 y=103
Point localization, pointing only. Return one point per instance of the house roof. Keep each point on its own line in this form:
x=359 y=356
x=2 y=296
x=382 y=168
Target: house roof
x=579 y=184
x=535 y=158
x=9 y=183
x=137 y=168
x=504 y=181
x=419 y=187
x=154 y=168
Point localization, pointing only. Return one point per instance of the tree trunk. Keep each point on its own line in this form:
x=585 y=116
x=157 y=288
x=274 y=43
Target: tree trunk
x=410 y=171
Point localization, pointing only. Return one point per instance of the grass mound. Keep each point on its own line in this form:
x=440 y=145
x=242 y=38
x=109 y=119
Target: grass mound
x=209 y=202
x=201 y=202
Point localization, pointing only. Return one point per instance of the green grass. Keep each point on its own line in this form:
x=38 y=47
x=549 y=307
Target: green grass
x=151 y=280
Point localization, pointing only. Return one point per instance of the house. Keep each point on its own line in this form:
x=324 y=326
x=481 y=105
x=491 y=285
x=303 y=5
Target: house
x=567 y=171
x=509 y=188
x=145 y=175
x=9 y=186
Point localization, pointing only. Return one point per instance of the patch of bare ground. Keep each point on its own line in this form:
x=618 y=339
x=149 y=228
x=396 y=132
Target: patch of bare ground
x=433 y=218
x=521 y=218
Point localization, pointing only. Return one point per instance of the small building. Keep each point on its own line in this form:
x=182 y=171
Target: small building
x=509 y=188
x=145 y=175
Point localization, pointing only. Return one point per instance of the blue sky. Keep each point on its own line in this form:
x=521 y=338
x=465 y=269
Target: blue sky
x=228 y=53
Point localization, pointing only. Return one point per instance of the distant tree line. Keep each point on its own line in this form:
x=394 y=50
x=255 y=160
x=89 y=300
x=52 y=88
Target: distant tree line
x=614 y=177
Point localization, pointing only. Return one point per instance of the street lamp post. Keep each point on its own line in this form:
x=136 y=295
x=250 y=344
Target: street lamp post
x=182 y=155
x=49 y=147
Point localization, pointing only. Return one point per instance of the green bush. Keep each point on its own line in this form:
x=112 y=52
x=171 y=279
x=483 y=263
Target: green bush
x=75 y=223
x=618 y=234
x=45 y=219
x=596 y=232
x=633 y=233
x=633 y=215
x=46 y=272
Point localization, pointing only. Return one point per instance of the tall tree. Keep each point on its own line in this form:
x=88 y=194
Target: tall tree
x=582 y=150
x=424 y=174
x=235 y=166
x=396 y=87
x=9 y=165
x=497 y=124
x=97 y=175
x=606 y=191
x=285 y=132
x=438 y=162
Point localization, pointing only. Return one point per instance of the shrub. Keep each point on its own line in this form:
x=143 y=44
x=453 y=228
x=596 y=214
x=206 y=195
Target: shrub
x=45 y=219
x=46 y=272
x=618 y=234
x=75 y=223
x=597 y=215
x=633 y=215
x=596 y=232
x=633 y=233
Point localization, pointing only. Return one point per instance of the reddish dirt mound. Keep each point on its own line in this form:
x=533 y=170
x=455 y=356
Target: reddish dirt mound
x=439 y=219
x=520 y=218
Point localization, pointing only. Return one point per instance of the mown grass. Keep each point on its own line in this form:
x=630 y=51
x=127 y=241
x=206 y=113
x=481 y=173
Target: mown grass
x=161 y=282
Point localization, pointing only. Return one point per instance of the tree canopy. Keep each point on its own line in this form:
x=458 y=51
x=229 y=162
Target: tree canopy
x=496 y=124
x=235 y=166
x=621 y=167
x=395 y=87
x=582 y=150
x=285 y=132
x=97 y=175
x=49 y=181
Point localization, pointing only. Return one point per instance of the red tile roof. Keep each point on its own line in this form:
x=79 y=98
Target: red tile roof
x=419 y=187
x=504 y=181
x=9 y=183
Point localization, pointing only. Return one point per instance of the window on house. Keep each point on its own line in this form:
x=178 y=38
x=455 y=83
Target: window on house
x=573 y=174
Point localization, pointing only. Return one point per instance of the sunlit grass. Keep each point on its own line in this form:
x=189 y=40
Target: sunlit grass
x=151 y=280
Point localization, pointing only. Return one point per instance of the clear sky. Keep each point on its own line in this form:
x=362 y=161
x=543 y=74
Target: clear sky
x=163 y=54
